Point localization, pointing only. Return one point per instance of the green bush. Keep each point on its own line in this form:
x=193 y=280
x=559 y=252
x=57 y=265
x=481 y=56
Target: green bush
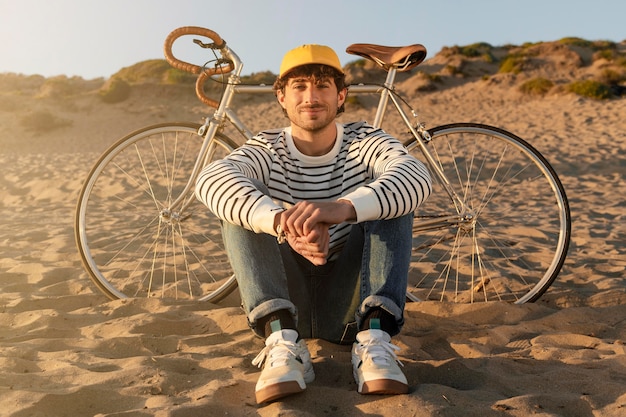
x=488 y=57
x=512 y=64
x=265 y=77
x=115 y=90
x=536 y=86
x=574 y=41
x=176 y=76
x=607 y=54
x=476 y=49
x=583 y=43
x=590 y=88
x=152 y=70
x=600 y=45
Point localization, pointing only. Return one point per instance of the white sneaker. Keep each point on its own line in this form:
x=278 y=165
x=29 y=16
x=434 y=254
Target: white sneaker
x=375 y=364
x=287 y=367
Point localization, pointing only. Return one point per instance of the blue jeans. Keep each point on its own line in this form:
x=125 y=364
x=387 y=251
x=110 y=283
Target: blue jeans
x=329 y=301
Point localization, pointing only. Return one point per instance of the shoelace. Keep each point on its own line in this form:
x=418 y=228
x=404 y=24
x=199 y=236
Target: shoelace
x=281 y=351
x=379 y=350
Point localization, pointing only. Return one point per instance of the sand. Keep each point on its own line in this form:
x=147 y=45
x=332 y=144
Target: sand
x=67 y=350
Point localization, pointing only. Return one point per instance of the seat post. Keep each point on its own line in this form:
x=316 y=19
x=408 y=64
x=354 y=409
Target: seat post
x=384 y=97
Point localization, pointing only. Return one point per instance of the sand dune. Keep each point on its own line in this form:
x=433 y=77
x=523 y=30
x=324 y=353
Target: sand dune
x=66 y=350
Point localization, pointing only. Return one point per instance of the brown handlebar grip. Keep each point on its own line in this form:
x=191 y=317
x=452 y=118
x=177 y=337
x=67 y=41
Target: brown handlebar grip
x=182 y=31
x=204 y=73
x=200 y=90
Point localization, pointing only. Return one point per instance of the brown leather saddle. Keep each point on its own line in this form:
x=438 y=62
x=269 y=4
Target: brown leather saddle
x=401 y=57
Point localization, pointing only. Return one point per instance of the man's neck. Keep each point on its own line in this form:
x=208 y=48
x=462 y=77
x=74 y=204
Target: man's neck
x=316 y=143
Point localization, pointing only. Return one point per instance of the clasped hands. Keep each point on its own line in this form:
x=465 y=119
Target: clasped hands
x=306 y=226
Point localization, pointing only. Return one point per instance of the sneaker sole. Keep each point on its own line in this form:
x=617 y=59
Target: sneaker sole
x=276 y=391
x=384 y=387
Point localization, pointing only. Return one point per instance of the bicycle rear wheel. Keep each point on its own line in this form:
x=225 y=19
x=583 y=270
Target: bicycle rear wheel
x=129 y=241
x=511 y=242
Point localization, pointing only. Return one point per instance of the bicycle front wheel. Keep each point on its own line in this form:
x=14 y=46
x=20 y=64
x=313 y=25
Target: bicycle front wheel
x=508 y=239
x=130 y=242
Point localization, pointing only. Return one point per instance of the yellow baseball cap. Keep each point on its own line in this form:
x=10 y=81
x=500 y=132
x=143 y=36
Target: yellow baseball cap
x=309 y=54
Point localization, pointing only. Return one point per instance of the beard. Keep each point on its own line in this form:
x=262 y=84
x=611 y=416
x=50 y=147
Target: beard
x=313 y=122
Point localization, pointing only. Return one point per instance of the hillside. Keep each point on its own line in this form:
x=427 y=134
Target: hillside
x=50 y=113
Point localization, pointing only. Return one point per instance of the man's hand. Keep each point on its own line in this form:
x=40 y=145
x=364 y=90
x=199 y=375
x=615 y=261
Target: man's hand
x=306 y=225
x=313 y=247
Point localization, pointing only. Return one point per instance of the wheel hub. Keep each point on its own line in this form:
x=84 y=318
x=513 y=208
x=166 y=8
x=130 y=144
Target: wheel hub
x=468 y=222
x=169 y=217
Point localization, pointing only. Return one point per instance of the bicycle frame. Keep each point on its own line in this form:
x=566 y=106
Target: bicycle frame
x=503 y=235
x=225 y=113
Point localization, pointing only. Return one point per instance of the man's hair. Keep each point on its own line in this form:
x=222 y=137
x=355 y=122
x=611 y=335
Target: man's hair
x=315 y=72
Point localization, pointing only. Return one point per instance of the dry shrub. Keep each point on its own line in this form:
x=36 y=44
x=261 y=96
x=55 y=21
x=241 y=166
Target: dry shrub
x=591 y=89
x=115 y=90
x=537 y=86
x=61 y=87
x=42 y=120
x=512 y=64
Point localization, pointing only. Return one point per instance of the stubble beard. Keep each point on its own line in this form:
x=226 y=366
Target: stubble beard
x=316 y=123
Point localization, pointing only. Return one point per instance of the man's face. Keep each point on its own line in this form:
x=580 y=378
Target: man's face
x=309 y=105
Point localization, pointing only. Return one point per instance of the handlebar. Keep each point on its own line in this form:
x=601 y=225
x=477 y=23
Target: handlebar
x=223 y=66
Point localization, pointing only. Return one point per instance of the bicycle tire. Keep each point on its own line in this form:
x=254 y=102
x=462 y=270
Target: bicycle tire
x=515 y=241
x=129 y=244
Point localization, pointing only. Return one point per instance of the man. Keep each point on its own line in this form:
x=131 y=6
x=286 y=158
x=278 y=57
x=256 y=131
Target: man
x=317 y=222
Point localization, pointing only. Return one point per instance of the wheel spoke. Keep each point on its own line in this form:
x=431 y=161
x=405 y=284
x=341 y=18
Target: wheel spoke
x=130 y=240
x=511 y=242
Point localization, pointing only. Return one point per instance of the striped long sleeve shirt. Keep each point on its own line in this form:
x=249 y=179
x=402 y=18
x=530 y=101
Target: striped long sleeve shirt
x=367 y=166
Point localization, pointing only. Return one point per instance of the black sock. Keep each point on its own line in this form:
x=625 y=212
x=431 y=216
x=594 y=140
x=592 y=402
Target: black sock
x=377 y=318
x=282 y=319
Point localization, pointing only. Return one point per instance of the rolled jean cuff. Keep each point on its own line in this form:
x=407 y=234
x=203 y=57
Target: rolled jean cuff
x=268 y=307
x=379 y=301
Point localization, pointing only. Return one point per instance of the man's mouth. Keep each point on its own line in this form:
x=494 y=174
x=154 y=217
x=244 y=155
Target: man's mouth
x=311 y=109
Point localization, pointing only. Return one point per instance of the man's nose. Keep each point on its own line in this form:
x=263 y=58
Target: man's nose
x=311 y=95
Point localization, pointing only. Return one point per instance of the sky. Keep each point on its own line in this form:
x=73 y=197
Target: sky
x=94 y=39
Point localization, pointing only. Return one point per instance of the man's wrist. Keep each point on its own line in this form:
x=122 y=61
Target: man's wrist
x=351 y=211
x=280 y=233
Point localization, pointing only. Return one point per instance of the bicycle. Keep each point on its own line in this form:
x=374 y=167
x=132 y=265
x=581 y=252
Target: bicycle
x=496 y=227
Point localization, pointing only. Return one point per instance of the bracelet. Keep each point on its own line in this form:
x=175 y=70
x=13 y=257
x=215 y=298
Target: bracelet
x=282 y=236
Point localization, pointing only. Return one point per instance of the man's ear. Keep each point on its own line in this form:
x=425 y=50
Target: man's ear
x=280 y=96
x=342 y=97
